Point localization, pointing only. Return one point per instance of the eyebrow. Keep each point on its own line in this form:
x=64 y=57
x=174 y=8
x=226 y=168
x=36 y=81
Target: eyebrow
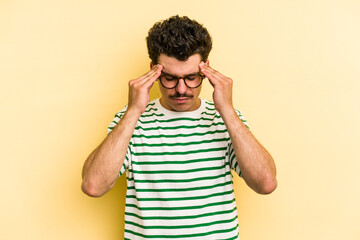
x=165 y=73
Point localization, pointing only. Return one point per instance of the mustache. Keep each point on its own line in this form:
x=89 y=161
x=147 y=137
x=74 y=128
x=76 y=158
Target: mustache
x=177 y=95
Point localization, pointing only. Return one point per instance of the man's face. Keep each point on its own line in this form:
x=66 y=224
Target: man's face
x=181 y=98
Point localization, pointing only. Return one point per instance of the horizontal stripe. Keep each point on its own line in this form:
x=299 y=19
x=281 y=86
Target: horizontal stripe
x=180 y=199
x=232 y=149
x=177 y=135
x=179 y=143
x=178 y=119
x=209 y=114
x=236 y=166
x=179 y=171
x=179 y=208
x=180 y=127
x=182 y=226
x=183 y=126
x=182 y=217
x=184 y=235
x=179 y=180
x=179 y=153
x=180 y=189
x=152 y=115
x=120 y=114
x=114 y=123
x=232 y=158
x=232 y=238
x=150 y=109
x=178 y=161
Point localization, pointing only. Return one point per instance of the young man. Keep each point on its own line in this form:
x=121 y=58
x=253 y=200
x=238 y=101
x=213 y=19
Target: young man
x=178 y=151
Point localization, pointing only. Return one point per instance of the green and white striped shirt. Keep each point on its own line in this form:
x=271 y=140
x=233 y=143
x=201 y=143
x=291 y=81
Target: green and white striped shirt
x=179 y=182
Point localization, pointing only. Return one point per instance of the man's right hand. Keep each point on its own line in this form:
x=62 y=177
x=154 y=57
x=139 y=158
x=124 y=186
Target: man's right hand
x=139 y=90
x=102 y=167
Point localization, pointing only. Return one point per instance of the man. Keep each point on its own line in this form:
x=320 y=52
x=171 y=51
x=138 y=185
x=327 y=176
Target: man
x=178 y=151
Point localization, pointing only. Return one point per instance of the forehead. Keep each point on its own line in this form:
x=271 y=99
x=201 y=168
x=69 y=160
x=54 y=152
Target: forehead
x=175 y=67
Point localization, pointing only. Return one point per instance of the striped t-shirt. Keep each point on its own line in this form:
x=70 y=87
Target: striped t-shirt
x=179 y=181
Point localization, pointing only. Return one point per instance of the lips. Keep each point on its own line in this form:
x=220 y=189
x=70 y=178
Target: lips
x=181 y=100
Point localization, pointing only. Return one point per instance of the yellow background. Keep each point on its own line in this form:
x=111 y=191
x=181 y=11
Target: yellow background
x=64 y=68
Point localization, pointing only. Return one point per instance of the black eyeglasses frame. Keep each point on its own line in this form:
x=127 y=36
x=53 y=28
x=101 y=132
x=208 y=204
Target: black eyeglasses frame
x=183 y=78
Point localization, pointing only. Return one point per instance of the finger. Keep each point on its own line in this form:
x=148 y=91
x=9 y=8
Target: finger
x=213 y=75
x=152 y=78
x=209 y=70
x=215 y=78
x=156 y=70
x=144 y=83
x=155 y=74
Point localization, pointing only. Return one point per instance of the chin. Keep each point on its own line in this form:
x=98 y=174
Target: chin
x=185 y=107
x=180 y=108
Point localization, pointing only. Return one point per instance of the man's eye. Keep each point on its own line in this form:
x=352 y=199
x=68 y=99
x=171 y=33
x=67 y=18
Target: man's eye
x=169 y=78
x=191 y=78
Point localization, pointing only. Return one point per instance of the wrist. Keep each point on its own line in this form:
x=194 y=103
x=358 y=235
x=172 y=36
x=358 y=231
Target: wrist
x=228 y=115
x=132 y=115
x=134 y=112
x=226 y=111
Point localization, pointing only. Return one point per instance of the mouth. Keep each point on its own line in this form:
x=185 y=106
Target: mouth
x=181 y=100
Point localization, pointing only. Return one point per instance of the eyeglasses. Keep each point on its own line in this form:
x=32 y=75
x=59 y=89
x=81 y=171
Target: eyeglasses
x=191 y=81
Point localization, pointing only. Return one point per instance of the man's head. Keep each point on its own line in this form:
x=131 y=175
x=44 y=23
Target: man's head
x=179 y=45
x=178 y=37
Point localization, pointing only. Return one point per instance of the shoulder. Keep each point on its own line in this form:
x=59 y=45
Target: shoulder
x=210 y=110
x=149 y=111
x=152 y=105
x=208 y=105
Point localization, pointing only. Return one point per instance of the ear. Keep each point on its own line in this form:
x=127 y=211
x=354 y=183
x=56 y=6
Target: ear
x=207 y=62
x=151 y=65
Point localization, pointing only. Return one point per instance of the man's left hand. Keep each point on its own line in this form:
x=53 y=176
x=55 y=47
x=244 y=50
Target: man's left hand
x=222 y=94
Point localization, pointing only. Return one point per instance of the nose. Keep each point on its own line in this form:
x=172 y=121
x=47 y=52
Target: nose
x=181 y=87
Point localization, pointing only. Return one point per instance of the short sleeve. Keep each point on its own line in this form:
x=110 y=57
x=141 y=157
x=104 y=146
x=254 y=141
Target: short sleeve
x=116 y=119
x=112 y=125
x=231 y=153
x=239 y=113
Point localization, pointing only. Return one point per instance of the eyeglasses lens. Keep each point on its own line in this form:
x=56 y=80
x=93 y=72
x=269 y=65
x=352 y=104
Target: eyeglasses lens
x=190 y=81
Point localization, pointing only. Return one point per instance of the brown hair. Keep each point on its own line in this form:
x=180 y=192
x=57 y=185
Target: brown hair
x=178 y=37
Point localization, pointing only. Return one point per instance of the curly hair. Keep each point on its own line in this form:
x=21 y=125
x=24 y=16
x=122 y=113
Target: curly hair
x=178 y=37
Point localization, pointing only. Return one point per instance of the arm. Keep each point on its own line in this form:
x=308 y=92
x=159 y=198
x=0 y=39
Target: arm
x=256 y=164
x=102 y=167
